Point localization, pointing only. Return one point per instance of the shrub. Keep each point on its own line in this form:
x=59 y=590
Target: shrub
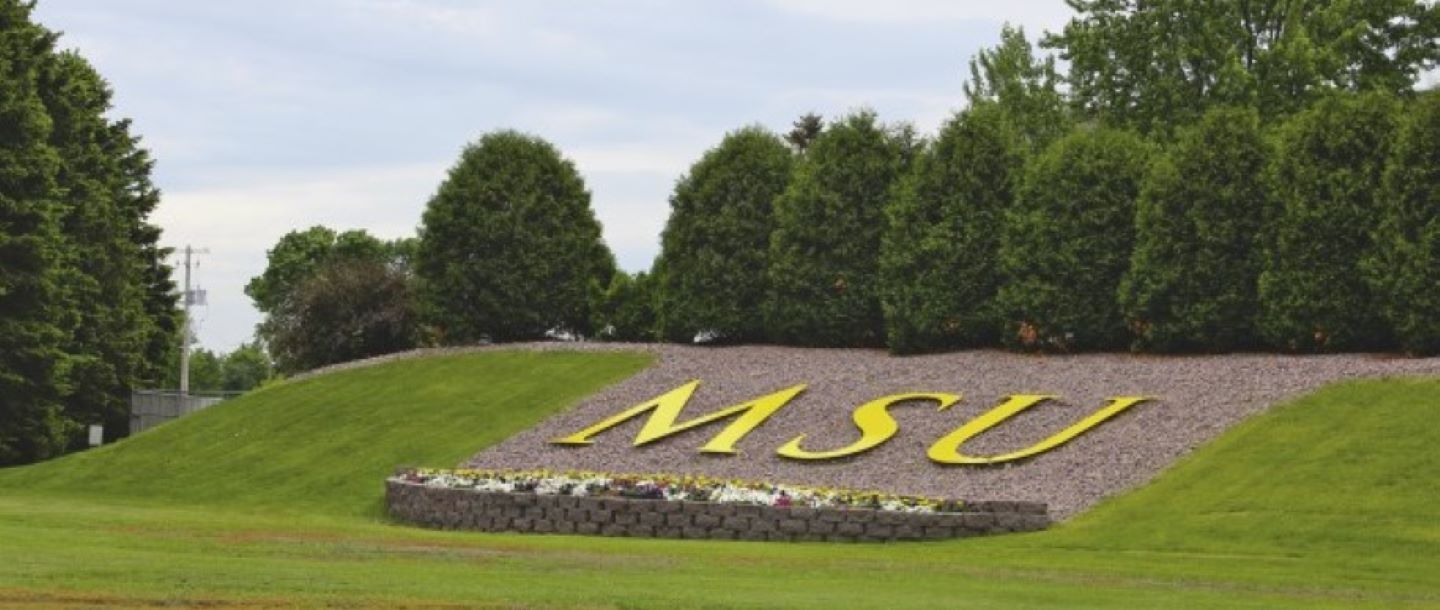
x=346 y=310
x=938 y=259
x=1326 y=179
x=509 y=247
x=716 y=242
x=1404 y=268
x=1067 y=243
x=627 y=309
x=825 y=251
x=1197 y=260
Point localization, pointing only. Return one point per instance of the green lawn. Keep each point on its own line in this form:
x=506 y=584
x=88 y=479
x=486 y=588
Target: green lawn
x=1329 y=502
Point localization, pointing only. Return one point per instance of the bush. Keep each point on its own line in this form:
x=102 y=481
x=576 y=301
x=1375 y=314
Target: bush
x=1067 y=243
x=938 y=260
x=509 y=247
x=1326 y=179
x=824 y=253
x=1404 y=269
x=627 y=309
x=1193 y=277
x=347 y=310
x=716 y=242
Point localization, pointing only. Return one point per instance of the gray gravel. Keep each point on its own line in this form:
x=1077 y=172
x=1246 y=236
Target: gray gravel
x=1198 y=398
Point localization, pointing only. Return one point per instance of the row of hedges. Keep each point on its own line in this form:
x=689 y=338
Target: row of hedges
x=1318 y=234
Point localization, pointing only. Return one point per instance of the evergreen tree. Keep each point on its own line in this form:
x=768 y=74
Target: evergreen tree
x=32 y=426
x=1404 y=269
x=102 y=265
x=509 y=247
x=627 y=310
x=938 y=262
x=716 y=242
x=804 y=131
x=1067 y=243
x=1197 y=260
x=825 y=251
x=1326 y=179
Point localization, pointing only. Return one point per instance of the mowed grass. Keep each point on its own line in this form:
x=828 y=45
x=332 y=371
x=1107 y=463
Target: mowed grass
x=1327 y=502
x=324 y=445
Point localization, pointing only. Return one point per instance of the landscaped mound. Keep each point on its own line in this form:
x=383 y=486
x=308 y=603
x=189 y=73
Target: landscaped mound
x=1192 y=400
x=324 y=444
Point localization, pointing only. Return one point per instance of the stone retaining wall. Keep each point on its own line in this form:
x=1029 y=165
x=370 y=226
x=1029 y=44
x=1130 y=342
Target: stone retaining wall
x=527 y=512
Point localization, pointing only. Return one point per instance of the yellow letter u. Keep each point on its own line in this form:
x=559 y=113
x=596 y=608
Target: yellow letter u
x=947 y=449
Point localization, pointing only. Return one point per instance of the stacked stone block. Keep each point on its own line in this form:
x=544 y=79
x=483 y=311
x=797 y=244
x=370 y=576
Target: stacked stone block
x=463 y=509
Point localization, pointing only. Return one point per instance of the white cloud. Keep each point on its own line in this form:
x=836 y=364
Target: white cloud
x=245 y=213
x=1034 y=15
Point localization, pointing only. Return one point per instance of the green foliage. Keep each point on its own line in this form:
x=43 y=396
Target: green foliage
x=1404 y=268
x=627 y=309
x=1067 y=243
x=110 y=254
x=509 y=247
x=804 y=131
x=1326 y=502
x=1326 y=179
x=1026 y=89
x=245 y=368
x=1157 y=65
x=347 y=309
x=716 y=243
x=32 y=426
x=938 y=262
x=207 y=371
x=1198 y=239
x=298 y=254
x=825 y=250
x=323 y=445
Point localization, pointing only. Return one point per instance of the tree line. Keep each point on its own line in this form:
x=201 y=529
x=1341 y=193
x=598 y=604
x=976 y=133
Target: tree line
x=1238 y=176
x=87 y=306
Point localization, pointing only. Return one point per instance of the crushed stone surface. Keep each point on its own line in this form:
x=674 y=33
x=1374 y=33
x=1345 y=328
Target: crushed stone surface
x=1195 y=399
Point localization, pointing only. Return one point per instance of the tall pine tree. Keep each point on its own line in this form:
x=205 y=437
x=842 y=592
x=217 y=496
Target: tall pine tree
x=32 y=426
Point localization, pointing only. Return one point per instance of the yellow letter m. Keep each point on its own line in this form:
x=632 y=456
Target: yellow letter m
x=665 y=409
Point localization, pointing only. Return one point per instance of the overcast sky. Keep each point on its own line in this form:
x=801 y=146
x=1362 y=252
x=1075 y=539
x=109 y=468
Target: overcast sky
x=267 y=116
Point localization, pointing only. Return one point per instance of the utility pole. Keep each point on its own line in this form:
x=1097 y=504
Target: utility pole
x=191 y=297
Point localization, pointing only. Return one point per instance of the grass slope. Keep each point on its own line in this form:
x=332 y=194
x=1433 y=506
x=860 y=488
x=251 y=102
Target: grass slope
x=1328 y=502
x=325 y=444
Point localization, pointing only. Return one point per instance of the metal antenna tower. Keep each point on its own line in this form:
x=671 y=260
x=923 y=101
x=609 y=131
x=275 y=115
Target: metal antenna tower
x=192 y=297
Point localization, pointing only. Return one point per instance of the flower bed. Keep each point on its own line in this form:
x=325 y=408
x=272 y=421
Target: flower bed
x=671 y=488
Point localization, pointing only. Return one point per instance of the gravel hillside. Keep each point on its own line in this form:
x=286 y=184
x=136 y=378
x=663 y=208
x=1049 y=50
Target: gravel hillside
x=1197 y=398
